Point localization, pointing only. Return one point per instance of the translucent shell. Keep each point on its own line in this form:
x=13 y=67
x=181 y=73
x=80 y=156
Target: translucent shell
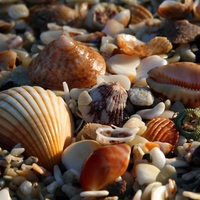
x=103 y=104
x=177 y=82
x=104 y=166
x=187 y=123
x=66 y=60
x=37 y=119
x=162 y=130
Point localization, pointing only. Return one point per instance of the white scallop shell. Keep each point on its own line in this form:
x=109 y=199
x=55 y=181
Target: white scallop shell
x=37 y=119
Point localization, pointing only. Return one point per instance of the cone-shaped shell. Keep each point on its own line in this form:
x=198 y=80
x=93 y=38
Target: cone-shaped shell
x=163 y=130
x=37 y=119
x=66 y=60
x=104 y=166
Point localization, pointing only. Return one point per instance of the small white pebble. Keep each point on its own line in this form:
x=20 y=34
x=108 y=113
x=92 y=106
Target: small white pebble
x=18 y=11
x=26 y=187
x=4 y=194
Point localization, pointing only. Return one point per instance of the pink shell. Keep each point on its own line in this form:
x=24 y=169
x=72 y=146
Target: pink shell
x=104 y=166
x=67 y=60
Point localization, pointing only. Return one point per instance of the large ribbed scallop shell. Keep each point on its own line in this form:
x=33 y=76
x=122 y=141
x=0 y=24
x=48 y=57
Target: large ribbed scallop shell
x=103 y=104
x=177 y=82
x=162 y=130
x=37 y=119
x=67 y=60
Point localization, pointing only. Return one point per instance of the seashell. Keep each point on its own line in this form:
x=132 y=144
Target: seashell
x=103 y=104
x=8 y=60
x=109 y=135
x=123 y=17
x=146 y=173
x=152 y=112
x=123 y=64
x=104 y=166
x=100 y=13
x=37 y=119
x=130 y=46
x=76 y=153
x=60 y=14
x=174 y=9
x=63 y=61
x=167 y=82
x=161 y=129
x=187 y=123
x=179 y=31
x=158 y=157
x=89 y=131
x=195 y=9
x=139 y=13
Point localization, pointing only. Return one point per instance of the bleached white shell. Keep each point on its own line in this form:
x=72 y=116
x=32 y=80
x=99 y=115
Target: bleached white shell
x=158 y=157
x=115 y=136
x=75 y=154
x=37 y=119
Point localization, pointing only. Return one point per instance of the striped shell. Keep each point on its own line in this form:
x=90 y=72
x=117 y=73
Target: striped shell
x=177 y=82
x=162 y=130
x=66 y=60
x=37 y=119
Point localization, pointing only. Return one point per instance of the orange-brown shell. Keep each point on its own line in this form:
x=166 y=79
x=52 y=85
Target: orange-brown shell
x=162 y=130
x=104 y=166
x=67 y=60
x=177 y=82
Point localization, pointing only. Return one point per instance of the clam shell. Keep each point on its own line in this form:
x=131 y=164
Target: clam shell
x=104 y=166
x=66 y=60
x=103 y=104
x=37 y=119
x=161 y=129
x=177 y=82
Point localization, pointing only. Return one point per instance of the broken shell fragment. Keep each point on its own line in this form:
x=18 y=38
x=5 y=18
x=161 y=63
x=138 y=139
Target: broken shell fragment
x=163 y=130
x=103 y=104
x=104 y=166
x=62 y=61
x=109 y=135
x=166 y=82
x=37 y=119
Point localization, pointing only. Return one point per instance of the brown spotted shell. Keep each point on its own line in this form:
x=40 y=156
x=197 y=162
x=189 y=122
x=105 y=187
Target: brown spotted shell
x=103 y=104
x=66 y=60
x=177 y=82
x=162 y=130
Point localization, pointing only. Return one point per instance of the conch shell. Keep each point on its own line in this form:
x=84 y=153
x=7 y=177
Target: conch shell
x=37 y=119
x=66 y=60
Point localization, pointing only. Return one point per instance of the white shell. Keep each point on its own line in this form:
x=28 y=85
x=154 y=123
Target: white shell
x=37 y=119
x=114 y=136
x=75 y=154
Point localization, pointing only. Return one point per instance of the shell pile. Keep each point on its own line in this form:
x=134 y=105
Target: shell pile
x=99 y=100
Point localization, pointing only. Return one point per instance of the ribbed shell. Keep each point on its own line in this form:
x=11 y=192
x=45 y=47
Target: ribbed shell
x=161 y=129
x=108 y=101
x=37 y=119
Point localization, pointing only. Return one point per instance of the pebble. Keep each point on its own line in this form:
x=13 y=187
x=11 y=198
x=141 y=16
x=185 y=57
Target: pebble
x=141 y=96
x=4 y=194
x=18 y=11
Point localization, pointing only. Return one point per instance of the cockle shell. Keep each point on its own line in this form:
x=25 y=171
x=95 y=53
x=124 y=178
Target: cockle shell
x=104 y=166
x=37 y=119
x=103 y=104
x=162 y=130
x=66 y=60
x=177 y=82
